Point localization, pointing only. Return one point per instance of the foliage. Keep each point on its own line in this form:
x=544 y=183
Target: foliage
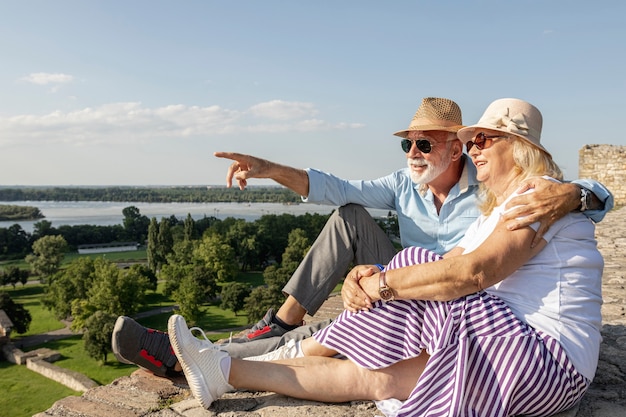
x=12 y=275
x=48 y=252
x=260 y=300
x=189 y=296
x=90 y=285
x=189 y=228
x=135 y=224
x=14 y=242
x=140 y=272
x=234 y=295
x=20 y=317
x=70 y=284
x=218 y=256
x=165 y=241
x=154 y=261
x=97 y=335
x=115 y=291
x=271 y=296
x=10 y=212
x=257 y=194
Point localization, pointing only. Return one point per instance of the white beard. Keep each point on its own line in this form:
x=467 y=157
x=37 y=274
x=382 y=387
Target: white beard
x=431 y=172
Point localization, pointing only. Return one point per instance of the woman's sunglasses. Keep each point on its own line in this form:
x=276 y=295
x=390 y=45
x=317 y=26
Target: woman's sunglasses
x=423 y=145
x=482 y=141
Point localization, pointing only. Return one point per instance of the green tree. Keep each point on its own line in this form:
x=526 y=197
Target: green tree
x=217 y=256
x=139 y=272
x=152 y=252
x=97 y=334
x=70 y=284
x=18 y=314
x=135 y=224
x=14 y=242
x=164 y=239
x=234 y=296
x=189 y=228
x=177 y=265
x=276 y=276
x=13 y=275
x=43 y=228
x=189 y=297
x=242 y=237
x=48 y=253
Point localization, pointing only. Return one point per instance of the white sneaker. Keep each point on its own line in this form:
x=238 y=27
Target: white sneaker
x=289 y=350
x=200 y=360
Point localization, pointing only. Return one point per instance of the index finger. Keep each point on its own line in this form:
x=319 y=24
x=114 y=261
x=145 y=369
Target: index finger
x=234 y=167
x=230 y=155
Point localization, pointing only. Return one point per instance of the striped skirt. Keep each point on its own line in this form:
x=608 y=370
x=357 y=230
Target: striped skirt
x=483 y=360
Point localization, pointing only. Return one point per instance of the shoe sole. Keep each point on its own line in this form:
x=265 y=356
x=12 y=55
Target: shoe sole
x=119 y=323
x=192 y=370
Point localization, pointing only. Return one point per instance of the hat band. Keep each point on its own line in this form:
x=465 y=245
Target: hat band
x=433 y=122
x=516 y=124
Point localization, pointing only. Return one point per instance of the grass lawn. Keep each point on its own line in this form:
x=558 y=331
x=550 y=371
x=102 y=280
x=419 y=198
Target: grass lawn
x=30 y=297
x=25 y=392
x=130 y=256
x=74 y=357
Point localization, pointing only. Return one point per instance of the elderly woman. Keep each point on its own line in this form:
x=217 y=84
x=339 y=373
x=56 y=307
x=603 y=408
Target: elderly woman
x=495 y=328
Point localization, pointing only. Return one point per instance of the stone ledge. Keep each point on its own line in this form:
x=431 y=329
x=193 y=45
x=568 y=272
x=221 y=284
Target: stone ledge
x=143 y=394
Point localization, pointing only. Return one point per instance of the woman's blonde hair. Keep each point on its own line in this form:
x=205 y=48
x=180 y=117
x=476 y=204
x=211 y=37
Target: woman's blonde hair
x=530 y=161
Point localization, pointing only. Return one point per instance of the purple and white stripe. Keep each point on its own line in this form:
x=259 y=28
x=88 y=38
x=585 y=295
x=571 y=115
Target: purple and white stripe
x=483 y=360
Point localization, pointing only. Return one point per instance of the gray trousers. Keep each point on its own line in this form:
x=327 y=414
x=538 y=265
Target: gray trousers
x=350 y=237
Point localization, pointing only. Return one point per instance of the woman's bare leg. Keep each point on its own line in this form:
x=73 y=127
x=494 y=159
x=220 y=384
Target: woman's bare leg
x=308 y=378
x=311 y=347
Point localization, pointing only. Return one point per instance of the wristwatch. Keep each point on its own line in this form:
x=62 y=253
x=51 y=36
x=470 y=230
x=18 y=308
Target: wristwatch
x=585 y=199
x=384 y=290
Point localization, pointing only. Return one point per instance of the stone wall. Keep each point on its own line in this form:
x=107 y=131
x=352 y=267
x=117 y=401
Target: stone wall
x=39 y=360
x=606 y=164
x=71 y=379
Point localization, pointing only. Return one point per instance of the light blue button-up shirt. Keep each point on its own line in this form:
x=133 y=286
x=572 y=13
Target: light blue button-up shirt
x=419 y=222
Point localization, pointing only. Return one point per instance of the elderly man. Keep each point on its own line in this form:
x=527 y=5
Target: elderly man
x=435 y=198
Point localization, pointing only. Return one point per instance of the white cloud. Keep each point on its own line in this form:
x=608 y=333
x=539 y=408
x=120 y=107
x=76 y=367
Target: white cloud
x=283 y=110
x=119 y=123
x=44 y=78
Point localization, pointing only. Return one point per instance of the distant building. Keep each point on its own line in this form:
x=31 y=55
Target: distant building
x=6 y=326
x=108 y=247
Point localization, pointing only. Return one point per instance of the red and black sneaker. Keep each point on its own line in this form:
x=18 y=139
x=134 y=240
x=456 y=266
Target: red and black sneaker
x=268 y=326
x=150 y=349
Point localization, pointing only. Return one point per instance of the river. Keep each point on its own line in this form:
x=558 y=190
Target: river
x=110 y=213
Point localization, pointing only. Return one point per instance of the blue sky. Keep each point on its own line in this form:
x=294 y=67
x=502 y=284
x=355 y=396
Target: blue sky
x=143 y=92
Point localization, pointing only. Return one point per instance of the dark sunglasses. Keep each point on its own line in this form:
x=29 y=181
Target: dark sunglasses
x=423 y=145
x=482 y=141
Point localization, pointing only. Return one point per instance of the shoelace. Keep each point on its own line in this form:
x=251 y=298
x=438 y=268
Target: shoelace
x=213 y=346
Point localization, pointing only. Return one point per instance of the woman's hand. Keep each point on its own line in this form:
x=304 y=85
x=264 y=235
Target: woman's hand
x=354 y=297
x=550 y=201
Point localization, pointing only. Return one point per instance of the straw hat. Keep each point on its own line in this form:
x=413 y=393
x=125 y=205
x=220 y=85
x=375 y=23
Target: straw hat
x=511 y=116
x=435 y=114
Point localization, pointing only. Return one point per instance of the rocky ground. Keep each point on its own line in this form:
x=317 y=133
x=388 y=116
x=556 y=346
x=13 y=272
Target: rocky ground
x=607 y=395
x=143 y=394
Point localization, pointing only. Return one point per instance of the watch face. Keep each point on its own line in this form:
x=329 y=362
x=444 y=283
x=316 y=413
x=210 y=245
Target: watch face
x=386 y=294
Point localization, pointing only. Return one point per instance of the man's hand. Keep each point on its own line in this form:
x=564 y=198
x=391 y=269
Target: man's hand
x=354 y=297
x=248 y=166
x=550 y=202
x=244 y=167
